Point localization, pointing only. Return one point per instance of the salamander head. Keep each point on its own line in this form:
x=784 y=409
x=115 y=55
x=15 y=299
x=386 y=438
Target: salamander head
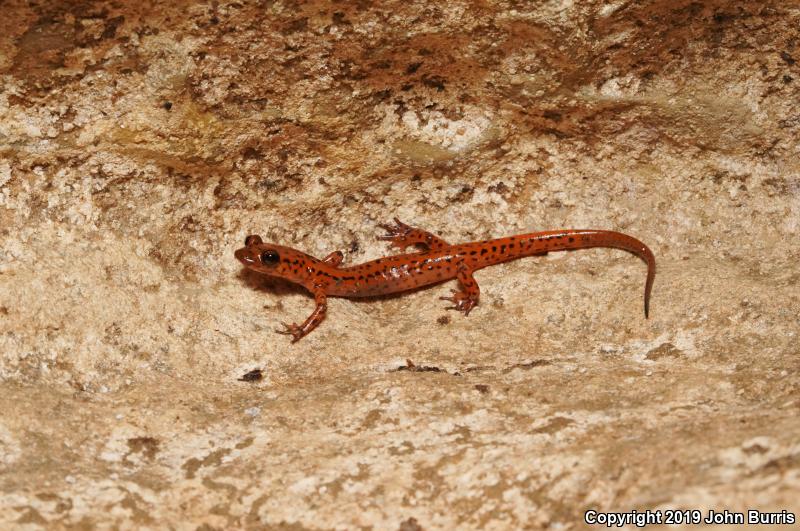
x=275 y=260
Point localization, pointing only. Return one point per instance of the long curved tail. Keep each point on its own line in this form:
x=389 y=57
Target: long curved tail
x=568 y=239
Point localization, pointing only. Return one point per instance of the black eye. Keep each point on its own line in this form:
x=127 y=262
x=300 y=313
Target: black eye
x=252 y=239
x=269 y=257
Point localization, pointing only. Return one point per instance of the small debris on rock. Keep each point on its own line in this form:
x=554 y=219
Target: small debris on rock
x=410 y=525
x=409 y=366
x=252 y=376
x=527 y=365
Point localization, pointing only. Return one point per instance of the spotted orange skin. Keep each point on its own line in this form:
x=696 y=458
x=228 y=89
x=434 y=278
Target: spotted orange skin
x=438 y=262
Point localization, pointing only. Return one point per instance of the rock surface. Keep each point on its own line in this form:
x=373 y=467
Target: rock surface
x=141 y=141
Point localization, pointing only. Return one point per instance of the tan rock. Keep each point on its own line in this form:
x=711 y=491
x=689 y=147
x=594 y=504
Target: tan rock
x=140 y=143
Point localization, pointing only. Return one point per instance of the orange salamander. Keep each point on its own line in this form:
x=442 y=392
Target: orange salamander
x=438 y=261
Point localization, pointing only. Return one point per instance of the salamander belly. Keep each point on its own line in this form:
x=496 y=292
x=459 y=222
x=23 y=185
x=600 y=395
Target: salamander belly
x=393 y=276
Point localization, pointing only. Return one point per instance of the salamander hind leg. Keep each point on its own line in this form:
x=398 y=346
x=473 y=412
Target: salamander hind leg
x=401 y=236
x=465 y=299
x=316 y=317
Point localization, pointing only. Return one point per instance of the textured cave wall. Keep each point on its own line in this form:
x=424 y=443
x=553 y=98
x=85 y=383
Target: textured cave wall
x=140 y=142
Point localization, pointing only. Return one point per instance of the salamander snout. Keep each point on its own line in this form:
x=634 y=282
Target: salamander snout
x=245 y=256
x=255 y=254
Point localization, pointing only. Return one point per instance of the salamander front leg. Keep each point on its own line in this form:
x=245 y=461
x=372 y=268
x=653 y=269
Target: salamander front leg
x=465 y=299
x=334 y=259
x=316 y=317
x=401 y=236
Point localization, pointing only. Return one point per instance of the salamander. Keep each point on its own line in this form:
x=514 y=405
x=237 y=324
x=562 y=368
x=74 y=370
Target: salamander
x=436 y=261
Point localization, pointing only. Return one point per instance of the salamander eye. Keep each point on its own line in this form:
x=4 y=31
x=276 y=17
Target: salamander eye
x=270 y=257
x=253 y=239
